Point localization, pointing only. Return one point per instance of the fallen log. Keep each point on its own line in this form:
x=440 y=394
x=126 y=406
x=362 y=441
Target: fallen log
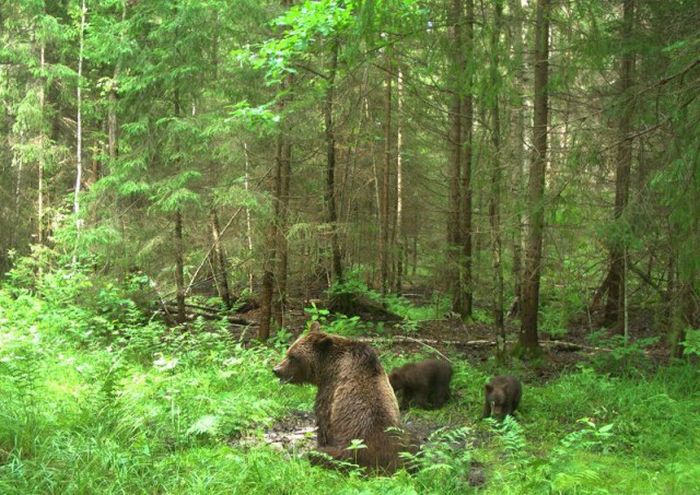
x=210 y=314
x=560 y=345
x=349 y=303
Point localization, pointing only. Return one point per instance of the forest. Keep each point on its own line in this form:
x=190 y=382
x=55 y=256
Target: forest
x=248 y=246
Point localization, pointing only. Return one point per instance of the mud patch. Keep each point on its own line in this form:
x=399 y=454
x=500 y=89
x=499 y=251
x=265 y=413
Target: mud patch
x=421 y=428
x=295 y=432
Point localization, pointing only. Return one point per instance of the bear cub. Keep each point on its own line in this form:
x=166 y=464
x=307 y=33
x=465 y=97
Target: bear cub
x=425 y=384
x=354 y=398
x=502 y=396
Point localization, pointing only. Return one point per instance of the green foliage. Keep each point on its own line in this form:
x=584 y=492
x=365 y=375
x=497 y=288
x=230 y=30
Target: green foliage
x=184 y=410
x=444 y=459
x=482 y=316
x=352 y=284
x=691 y=344
x=624 y=356
x=317 y=314
x=339 y=323
x=510 y=433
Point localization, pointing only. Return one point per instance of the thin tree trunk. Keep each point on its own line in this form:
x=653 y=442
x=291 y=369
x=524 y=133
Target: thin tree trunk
x=179 y=268
x=112 y=124
x=249 y=236
x=467 y=152
x=221 y=273
x=268 y=282
x=399 y=184
x=377 y=198
x=495 y=200
x=414 y=264
x=79 y=128
x=330 y=196
x=384 y=242
x=268 y=277
x=112 y=138
x=18 y=189
x=614 y=308
x=271 y=307
x=454 y=143
x=280 y=302
x=518 y=174
x=528 y=340
x=179 y=244
x=42 y=140
x=275 y=233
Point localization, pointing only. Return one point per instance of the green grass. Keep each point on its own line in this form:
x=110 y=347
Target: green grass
x=92 y=406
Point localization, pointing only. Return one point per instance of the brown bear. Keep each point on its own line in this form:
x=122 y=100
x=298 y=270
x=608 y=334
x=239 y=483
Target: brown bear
x=502 y=396
x=354 y=398
x=425 y=383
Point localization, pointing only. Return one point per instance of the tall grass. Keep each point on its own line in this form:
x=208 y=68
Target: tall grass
x=97 y=400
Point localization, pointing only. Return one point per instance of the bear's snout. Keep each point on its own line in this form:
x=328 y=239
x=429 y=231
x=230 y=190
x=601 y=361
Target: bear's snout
x=279 y=371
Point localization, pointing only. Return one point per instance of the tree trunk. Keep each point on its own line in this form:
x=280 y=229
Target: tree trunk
x=221 y=273
x=112 y=126
x=112 y=136
x=495 y=200
x=280 y=301
x=179 y=268
x=268 y=281
x=467 y=152
x=330 y=196
x=614 y=308
x=384 y=238
x=518 y=172
x=399 y=185
x=271 y=242
x=271 y=307
x=79 y=128
x=42 y=140
x=249 y=235
x=18 y=190
x=528 y=340
x=454 y=143
x=414 y=263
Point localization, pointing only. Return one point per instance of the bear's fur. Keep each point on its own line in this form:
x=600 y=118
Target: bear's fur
x=502 y=396
x=354 y=398
x=425 y=383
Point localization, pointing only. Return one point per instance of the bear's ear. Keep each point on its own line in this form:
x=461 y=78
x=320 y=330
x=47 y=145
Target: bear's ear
x=315 y=326
x=323 y=344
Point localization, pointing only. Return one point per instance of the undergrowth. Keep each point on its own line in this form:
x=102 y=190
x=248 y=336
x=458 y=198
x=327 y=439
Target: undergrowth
x=97 y=398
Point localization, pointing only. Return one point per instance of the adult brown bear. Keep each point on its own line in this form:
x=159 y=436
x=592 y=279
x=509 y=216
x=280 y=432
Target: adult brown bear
x=354 y=399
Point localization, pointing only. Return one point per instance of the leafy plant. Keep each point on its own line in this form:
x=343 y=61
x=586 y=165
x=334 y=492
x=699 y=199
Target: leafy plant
x=510 y=434
x=624 y=356
x=445 y=458
x=317 y=314
x=691 y=344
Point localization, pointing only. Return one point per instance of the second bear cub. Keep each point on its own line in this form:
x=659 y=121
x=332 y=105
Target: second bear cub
x=425 y=384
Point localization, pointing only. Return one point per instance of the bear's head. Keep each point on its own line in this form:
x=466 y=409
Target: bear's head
x=302 y=362
x=496 y=398
x=396 y=380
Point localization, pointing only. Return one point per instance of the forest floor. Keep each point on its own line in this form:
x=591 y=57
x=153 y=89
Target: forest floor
x=97 y=402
